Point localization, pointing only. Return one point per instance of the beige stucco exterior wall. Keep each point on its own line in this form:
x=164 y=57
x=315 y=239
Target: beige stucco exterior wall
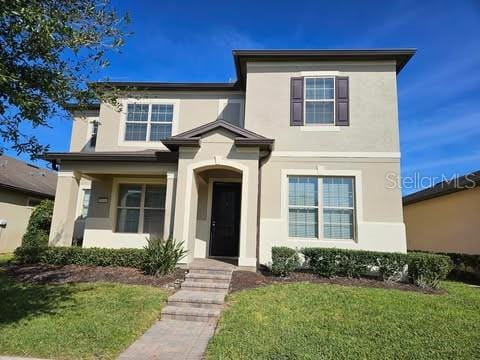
x=368 y=149
x=447 y=223
x=65 y=208
x=81 y=130
x=191 y=109
x=379 y=219
x=13 y=209
x=216 y=151
x=373 y=107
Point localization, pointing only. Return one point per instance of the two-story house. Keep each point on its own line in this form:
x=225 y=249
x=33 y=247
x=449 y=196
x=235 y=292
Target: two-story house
x=297 y=152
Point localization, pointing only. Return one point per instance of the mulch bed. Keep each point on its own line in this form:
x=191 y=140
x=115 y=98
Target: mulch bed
x=242 y=280
x=64 y=274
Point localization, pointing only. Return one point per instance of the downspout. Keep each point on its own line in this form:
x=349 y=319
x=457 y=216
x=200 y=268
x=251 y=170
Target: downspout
x=261 y=161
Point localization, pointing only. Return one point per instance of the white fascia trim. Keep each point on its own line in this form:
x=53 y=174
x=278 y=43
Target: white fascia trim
x=337 y=154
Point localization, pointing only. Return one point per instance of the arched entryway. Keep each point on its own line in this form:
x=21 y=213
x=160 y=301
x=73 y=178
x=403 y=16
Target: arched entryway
x=218 y=216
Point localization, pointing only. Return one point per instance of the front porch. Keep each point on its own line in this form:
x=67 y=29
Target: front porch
x=204 y=193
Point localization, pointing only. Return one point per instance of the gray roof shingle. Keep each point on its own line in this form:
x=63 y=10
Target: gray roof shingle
x=18 y=175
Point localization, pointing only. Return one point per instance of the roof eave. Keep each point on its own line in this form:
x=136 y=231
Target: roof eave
x=174 y=144
x=401 y=56
x=27 y=191
x=162 y=156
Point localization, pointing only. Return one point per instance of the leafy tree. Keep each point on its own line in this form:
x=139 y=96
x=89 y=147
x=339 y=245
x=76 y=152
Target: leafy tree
x=49 y=51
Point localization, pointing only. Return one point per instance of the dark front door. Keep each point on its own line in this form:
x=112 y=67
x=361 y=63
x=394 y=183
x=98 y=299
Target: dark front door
x=225 y=226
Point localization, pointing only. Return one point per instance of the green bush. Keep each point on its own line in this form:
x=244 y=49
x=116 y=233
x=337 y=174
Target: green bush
x=28 y=254
x=39 y=225
x=465 y=266
x=162 y=256
x=284 y=261
x=81 y=256
x=427 y=270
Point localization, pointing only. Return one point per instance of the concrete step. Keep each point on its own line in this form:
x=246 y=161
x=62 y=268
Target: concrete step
x=206 y=270
x=190 y=314
x=202 y=277
x=205 y=286
x=198 y=299
x=210 y=268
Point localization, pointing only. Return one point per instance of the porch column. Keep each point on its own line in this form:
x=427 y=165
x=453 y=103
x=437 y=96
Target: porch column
x=64 y=210
x=169 y=205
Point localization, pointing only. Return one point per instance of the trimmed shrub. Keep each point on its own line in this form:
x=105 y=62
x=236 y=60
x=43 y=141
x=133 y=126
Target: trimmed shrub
x=427 y=270
x=162 y=256
x=284 y=261
x=28 y=254
x=81 y=256
x=39 y=225
x=354 y=263
x=466 y=267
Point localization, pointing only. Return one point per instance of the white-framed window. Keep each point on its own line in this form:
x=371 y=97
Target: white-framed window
x=321 y=207
x=148 y=122
x=319 y=100
x=93 y=130
x=141 y=208
x=231 y=111
x=85 y=202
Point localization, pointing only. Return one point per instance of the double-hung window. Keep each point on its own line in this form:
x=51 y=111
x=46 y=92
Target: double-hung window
x=141 y=208
x=328 y=213
x=148 y=122
x=319 y=101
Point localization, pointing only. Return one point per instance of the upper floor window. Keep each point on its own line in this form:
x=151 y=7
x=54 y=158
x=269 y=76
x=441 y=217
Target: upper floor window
x=148 y=122
x=321 y=207
x=320 y=101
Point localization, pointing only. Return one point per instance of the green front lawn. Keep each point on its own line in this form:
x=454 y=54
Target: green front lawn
x=320 y=321
x=4 y=258
x=80 y=321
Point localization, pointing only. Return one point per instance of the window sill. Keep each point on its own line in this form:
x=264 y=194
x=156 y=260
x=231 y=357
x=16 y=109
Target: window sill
x=322 y=241
x=320 y=128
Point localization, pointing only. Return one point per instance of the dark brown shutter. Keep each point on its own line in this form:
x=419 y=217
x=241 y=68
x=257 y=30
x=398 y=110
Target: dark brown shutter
x=341 y=98
x=296 y=101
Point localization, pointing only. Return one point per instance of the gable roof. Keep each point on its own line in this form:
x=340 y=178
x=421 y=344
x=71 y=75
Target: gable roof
x=21 y=176
x=243 y=137
x=241 y=57
x=465 y=182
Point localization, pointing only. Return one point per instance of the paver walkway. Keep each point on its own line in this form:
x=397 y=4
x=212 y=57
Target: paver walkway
x=190 y=317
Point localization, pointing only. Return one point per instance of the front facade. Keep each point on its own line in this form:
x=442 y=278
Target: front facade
x=22 y=187
x=295 y=153
x=444 y=218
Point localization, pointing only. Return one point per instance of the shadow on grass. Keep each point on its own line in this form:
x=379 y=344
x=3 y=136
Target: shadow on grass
x=21 y=300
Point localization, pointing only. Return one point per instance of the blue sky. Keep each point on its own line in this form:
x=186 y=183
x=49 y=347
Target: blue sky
x=439 y=90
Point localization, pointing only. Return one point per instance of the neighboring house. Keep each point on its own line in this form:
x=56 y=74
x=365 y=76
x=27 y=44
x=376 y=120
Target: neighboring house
x=22 y=186
x=445 y=217
x=294 y=153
